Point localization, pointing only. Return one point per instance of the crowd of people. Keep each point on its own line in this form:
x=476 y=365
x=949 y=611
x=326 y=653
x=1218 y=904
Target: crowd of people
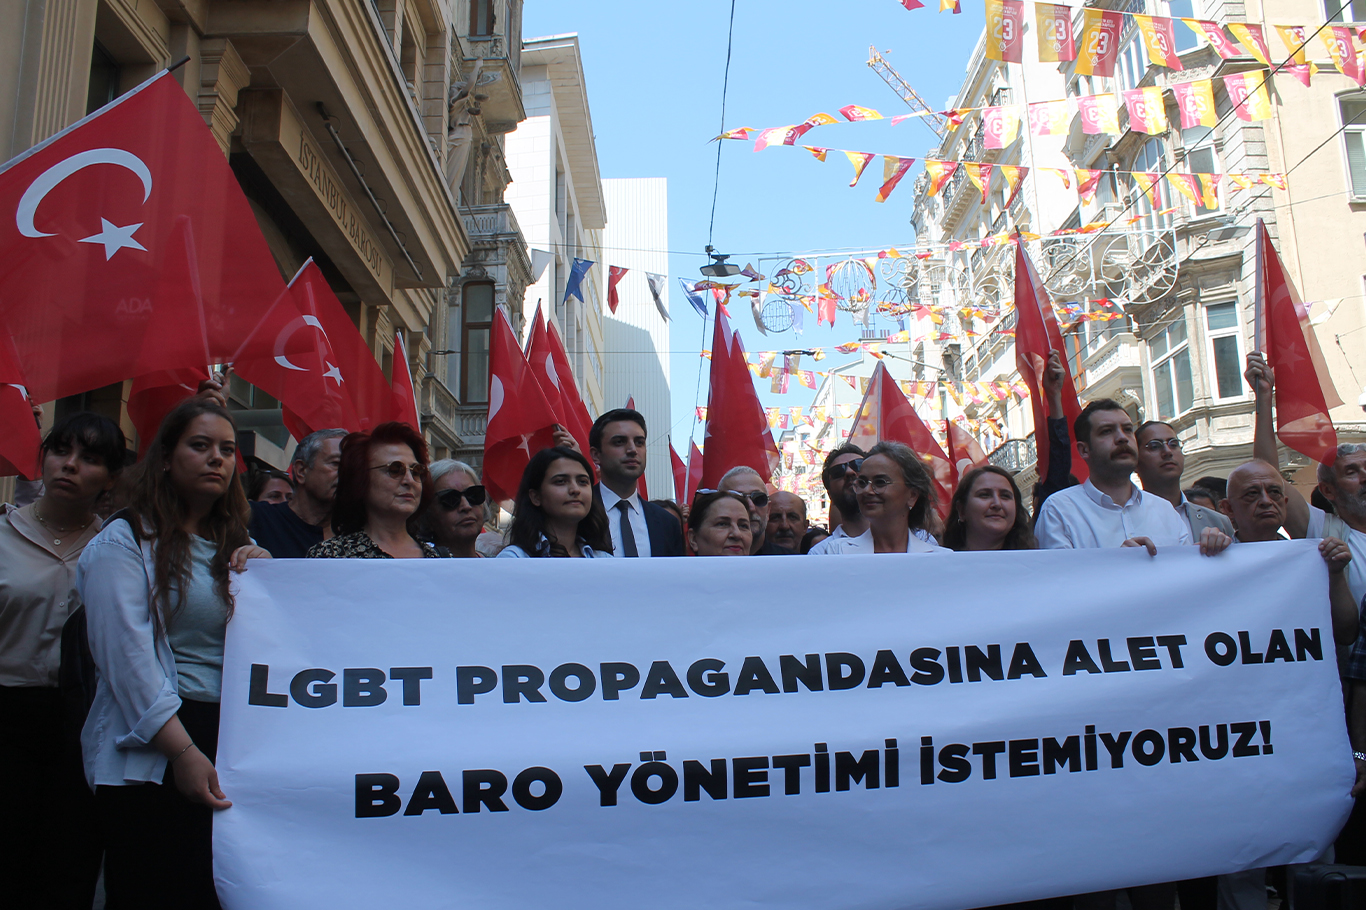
x=115 y=588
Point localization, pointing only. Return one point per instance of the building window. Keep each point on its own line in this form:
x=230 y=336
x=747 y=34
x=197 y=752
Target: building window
x=1201 y=158
x=1151 y=158
x=1171 y=360
x=1352 y=109
x=1221 y=322
x=1345 y=10
x=104 y=79
x=481 y=18
x=477 y=325
x=1186 y=39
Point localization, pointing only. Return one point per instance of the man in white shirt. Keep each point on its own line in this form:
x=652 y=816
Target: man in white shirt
x=616 y=444
x=1108 y=510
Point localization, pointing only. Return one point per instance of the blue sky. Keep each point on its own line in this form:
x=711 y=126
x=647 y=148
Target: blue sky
x=654 y=74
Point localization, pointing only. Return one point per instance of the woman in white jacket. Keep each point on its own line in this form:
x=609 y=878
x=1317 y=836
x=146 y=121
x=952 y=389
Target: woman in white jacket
x=157 y=599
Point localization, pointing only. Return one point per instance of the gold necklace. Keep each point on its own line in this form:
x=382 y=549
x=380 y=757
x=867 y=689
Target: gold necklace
x=57 y=541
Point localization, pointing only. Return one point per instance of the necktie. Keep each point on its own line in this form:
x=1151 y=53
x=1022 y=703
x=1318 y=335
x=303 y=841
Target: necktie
x=628 y=537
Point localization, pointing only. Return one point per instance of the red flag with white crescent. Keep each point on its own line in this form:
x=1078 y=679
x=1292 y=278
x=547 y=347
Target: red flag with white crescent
x=521 y=422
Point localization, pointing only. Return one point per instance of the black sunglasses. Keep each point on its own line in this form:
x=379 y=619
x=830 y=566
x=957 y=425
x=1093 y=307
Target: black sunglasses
x=836 y=471
x=450 y=499
x=758 y=497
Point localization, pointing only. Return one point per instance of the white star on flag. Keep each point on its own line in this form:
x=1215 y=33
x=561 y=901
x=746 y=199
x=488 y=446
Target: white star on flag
x=115 y=238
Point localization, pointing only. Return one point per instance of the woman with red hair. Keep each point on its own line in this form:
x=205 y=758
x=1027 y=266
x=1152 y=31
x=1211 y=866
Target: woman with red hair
x=382 y=485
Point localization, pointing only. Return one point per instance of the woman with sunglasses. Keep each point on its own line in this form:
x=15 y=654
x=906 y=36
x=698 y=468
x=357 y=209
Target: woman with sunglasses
x=556 y=513
x=987 y=513
x=455 y=518
x=895 y=498
x=721 y=523
x=382 y=484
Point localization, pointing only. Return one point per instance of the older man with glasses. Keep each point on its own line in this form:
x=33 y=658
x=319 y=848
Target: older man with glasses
x=1160 y=463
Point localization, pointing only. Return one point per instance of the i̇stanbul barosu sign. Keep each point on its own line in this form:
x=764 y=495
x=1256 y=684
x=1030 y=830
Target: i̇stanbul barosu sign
x=931 y=731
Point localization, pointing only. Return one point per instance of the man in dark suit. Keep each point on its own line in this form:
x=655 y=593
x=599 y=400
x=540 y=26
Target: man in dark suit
x=616 y=443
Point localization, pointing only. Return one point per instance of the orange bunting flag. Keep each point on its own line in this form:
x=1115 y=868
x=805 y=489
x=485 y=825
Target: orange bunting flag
x=1214 y=34
x=980 y=175
x=1159 y=38
x=893 y=169
x=1147 y=111
x=779 y=135
x=1342 y=48
x=1053 y=24
x=742 y=133
x=1209 y=190
x=1087 y=181
x=821 y=119
x=853 y=112
x=1253 y=40
x=1276 y=180
x=956 y=116
x=817 y=153
x=1196 y=102
x=953 y=6
x=1005 y=30
x=1014 y=179
x=1186 y=185
x=1099 y=114
x=1241 y=181
x=1247 y=91
x=1050 y=118
x=1304 y=72
x=1100 y=30
x=1147 y=182
x=860 y=161
x=1002 y=126
x=940 y=172
x=1292 y=36
x=1062 y=175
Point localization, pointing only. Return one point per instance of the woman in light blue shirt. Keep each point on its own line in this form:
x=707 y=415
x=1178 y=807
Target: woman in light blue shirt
x=556 y=513
x=156 y=592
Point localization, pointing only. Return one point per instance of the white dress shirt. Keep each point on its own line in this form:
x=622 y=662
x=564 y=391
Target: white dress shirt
x=635 y=514
x=831 y=544
x=1356 y=543
x=1083 y=517
x=863 y=545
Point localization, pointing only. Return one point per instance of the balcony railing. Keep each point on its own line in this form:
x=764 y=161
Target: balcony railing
x=487 y=222
x=1015 y=455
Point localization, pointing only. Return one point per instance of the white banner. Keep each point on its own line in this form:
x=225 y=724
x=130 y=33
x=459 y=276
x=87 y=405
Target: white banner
x=930 y=731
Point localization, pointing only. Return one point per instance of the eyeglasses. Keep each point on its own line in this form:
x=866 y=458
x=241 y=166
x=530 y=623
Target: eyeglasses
x=877 y=483
x=836 y=471
x=758 y=497
x=1156 y=445
x=396 y=470
x=449 y=500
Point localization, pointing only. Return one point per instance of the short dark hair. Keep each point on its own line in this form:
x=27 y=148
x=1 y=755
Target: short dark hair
x=1196 y=492
x=1149 y=424
x=354 y=474
x=528 y=521
x=705 y=499
x=1216 y=485
x=1081 y=428
x=92 y=432
x=612 y=416
x=847 y=448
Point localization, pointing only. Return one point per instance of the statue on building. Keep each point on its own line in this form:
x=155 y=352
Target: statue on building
x=464 y=104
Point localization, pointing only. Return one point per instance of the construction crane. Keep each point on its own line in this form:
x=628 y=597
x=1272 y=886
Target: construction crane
x=899 y=85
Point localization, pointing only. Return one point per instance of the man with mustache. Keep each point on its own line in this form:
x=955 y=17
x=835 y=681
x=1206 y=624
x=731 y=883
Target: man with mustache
x=1108 y=510
x=786 y=520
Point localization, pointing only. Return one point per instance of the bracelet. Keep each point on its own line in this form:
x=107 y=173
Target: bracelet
x=1359 y=756
x=191 y=746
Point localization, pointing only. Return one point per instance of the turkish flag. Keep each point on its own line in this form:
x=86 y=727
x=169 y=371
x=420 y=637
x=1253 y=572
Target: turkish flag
x=550 y=364
x=680 y=471
x=614 y=275
x=293 y=355
x=127 y=247
x=964 y=452
x=885 y=415
x=154 y=395
x=695 y=462
x=19 y=439
x=1304 y=391
x=641 y=486
x=1036 y=334
x=521 y=421
x=737 y=430
x=404 y=395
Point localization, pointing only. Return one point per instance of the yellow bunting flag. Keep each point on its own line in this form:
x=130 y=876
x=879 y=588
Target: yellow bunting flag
x=1099 y=114
x=1247 y=91
x=1186 y=185
x=940 y=172
x=1209 y=190
x=1253 y=40
x=1065 y=177
x=1002 y=125
x=1005 y=30
x=1147 y=182
x=1214 y=34
x=853 y=112
x=1050 y=118
x=953 y=6
x=742 y=133
x=1087 y=182
x=821 y=119
x=1147 y=111
x=980 y=175
x=1196 y=102
x=893 y=169
x=860 y=161
x=818 y=153
x=1342 y=48
x=1160 y=40
x=766 y=363
x=1100 y=30
x=1014 y=179
x=1292 y=36
x=1241 y=181
x=1053 y=24
x=1276 y=180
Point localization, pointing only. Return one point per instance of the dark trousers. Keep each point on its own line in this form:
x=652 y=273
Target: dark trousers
x=158 y=844
x=49 y=843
